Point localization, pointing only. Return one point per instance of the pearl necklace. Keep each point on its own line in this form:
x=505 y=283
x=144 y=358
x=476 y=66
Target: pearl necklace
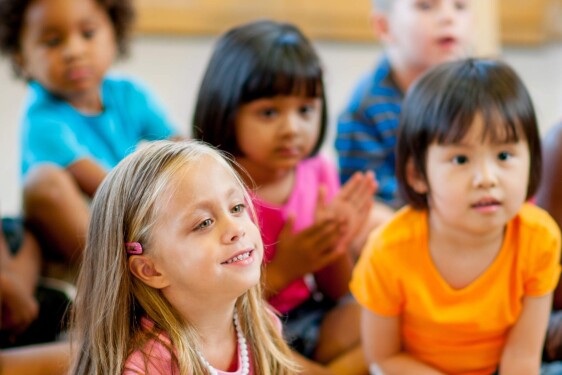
x=242 y=347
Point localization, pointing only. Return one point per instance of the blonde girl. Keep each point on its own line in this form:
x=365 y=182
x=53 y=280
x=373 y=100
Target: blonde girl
x=169 y=282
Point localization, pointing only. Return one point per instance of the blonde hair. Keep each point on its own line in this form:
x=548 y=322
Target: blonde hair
x=110 y=300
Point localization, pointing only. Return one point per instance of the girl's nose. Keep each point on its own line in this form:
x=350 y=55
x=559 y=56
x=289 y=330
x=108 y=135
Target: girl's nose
x=234 y=230
x=485 y=175
x=291 y=124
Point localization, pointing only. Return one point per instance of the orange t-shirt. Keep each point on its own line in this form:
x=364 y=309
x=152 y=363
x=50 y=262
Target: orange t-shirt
x=458 y=331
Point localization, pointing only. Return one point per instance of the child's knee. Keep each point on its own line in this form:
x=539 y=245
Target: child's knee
x=339 y=332
x=48 y=184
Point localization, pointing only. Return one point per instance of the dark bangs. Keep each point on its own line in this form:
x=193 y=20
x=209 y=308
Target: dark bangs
x=476 y=89
x=286 y=69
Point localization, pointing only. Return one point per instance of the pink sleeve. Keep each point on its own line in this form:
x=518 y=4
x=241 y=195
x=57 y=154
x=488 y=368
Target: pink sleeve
x=153 y=359
x=135 y=364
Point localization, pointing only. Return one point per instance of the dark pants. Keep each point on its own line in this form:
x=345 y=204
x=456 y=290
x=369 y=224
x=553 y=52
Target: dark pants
x=301 y=326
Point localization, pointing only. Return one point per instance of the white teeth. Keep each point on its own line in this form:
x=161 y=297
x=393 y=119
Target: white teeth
x=238 y=258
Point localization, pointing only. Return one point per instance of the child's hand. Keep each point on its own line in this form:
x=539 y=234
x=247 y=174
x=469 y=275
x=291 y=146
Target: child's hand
x=308 y=250
x=353 y=204
x=19 y=308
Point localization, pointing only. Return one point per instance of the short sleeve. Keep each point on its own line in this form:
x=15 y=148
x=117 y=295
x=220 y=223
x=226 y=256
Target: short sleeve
x=50 y=141
x=544 y=260
x=154 y=359
x=375 y=283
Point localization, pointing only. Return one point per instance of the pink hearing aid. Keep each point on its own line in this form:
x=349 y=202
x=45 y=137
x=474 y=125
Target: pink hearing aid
x=133 y=248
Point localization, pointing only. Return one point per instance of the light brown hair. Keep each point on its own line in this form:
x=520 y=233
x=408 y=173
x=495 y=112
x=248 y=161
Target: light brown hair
x=111 y=301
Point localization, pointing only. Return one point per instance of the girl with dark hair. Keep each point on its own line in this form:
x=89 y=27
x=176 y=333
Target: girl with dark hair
x=461 y=280
x=262 y=99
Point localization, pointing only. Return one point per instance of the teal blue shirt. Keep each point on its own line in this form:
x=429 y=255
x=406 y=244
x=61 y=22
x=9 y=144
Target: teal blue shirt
x=55 y=132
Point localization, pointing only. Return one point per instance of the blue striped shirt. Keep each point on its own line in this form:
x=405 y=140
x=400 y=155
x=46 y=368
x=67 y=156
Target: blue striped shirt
x=366 y=132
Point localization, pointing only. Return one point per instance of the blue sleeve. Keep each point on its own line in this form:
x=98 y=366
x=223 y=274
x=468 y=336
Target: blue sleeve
x=45 y=141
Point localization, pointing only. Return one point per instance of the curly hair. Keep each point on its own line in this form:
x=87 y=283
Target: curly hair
x=12 y=12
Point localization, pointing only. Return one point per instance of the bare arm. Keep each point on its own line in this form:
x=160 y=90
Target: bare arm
x=17 y=284
x=308 y=367
x=382 y=346
x=549 y=195
x=522 y=351
x=350 y=363
x=88 y=175
x=44 y=359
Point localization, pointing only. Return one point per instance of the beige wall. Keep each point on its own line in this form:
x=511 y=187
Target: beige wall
x=487 y=27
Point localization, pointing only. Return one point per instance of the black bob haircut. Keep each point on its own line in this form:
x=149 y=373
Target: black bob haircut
x=442 y=104
x=257 y=60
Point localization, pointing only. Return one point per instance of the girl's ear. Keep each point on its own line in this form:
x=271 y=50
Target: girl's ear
x=415 y=179
x=144 y=269
x=379 y=25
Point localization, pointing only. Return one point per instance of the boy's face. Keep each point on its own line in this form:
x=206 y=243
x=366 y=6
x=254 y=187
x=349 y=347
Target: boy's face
x=424 y=33
x=68 y=46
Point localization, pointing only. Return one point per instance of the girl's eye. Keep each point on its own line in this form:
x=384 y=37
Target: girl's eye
x=239 y=208
x=88 y=34
x=204 y=224
x=52 y=41
x=504 y=155
x=306 y=109
x=460 y=159
x=268 y=113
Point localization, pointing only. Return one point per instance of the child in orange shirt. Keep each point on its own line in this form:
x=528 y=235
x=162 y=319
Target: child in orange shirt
x=461 y=280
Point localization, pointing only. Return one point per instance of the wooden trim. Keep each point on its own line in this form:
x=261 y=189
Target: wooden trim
x=326 y=19
x=522 y=21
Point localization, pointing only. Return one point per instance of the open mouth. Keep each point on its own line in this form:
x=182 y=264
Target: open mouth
x=447 y=41
x=239 y=257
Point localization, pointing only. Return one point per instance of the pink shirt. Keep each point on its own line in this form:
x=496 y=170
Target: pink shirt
x=156 y=359
x=310 y=175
